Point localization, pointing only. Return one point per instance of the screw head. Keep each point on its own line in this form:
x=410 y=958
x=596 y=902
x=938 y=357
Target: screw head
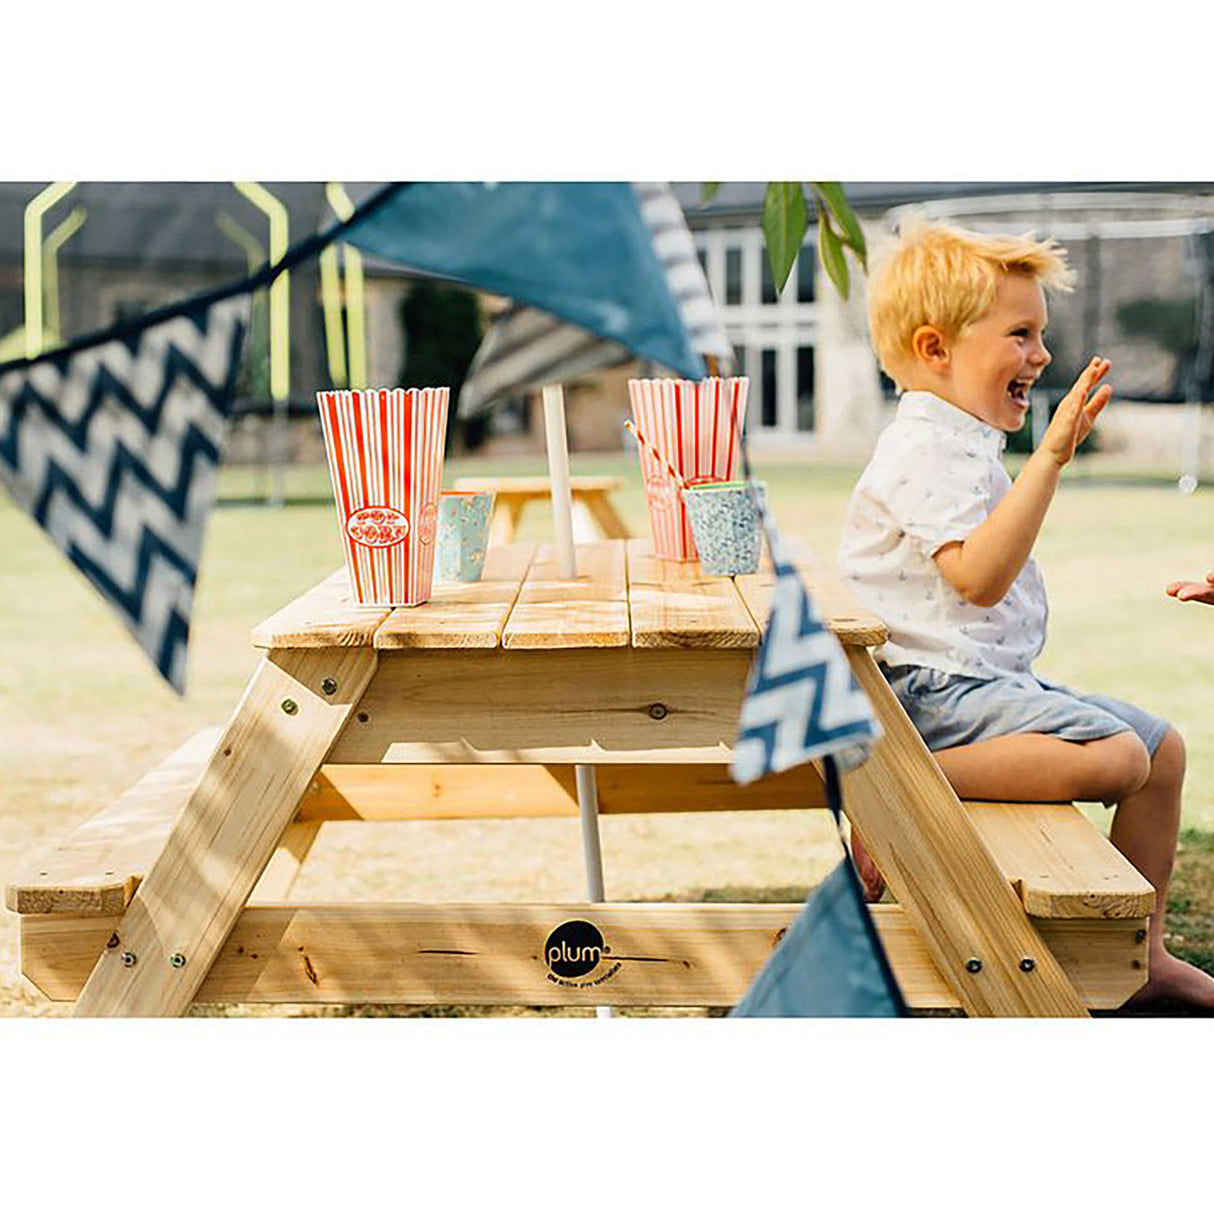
x=657 y=711
x=112 y=942
x=129 y=959
x=328 y=686
x=290 y=707
x=177 y=960
x=1028 y=964
x=1140 y=935
x=974 y=965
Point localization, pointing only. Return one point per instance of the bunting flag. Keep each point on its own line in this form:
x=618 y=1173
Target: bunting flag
x=802 y=700
x=113 y=449
x=527 y=347
x=582 y=251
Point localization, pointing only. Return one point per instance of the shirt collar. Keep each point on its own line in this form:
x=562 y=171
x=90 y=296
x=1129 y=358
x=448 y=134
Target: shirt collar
x=928 y=407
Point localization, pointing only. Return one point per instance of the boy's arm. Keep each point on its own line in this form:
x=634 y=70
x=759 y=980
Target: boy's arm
x=983 y=566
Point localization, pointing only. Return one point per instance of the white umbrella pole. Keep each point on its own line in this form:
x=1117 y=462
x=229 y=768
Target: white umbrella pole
x=562 y=519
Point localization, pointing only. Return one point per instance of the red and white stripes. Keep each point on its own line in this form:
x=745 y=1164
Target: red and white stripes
x=697 y=428
x=385 y=449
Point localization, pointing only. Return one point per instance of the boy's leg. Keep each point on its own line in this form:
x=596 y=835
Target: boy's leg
x=1147 y=791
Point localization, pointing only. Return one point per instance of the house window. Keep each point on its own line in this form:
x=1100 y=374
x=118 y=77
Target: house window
x=805 y=388
x=733 y=275
x=768 y=393
x=807 y=264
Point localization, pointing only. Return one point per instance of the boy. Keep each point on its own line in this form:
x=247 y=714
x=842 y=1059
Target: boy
x=937 y=541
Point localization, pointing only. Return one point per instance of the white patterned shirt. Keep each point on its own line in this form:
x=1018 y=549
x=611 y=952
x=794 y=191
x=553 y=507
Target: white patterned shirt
x=935 y=476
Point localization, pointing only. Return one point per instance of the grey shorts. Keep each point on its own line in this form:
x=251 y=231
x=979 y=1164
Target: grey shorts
x=955 y=710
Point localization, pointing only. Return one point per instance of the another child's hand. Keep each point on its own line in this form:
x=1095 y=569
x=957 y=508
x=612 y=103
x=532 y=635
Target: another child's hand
x=1076 y=414
x=1194 y=592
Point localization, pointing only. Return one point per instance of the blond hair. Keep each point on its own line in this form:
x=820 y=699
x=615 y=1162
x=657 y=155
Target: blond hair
x=935 y=274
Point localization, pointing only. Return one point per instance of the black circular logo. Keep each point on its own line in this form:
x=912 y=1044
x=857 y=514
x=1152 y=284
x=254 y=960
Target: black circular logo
x=574 y=949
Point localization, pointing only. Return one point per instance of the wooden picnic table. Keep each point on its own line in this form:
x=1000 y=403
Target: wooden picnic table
x=480 y=703
x=594 y=511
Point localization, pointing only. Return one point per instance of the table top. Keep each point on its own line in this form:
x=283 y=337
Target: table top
x=623 y=597
x=536 y=486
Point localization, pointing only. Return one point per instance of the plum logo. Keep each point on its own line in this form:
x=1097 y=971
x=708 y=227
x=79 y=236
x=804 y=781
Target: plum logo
x=577 y=955
x=660 y=490
x=427 y=523
x=377 y=526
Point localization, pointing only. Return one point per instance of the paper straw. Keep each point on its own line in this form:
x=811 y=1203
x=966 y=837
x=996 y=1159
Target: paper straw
x=674 y=472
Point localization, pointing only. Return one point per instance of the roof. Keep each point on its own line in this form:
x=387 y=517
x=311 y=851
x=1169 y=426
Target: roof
x=737 y=200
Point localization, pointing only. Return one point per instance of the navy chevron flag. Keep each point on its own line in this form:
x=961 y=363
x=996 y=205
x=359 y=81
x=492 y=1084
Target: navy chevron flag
x=802 y=700
x=114 y=447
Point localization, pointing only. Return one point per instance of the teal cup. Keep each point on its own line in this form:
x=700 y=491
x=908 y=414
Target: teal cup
x=725 y=526
x=463 y=535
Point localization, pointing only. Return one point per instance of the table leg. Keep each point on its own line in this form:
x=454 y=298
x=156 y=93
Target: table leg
x=295 y=706
x=504 y=523
x=969 y=918
x=592 y=851
x=609 y=521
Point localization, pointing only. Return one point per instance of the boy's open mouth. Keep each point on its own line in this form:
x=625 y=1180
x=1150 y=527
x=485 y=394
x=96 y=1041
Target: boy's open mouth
x=1018 y=390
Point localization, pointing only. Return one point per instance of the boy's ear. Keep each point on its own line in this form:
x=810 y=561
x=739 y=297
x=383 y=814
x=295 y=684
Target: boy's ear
x=929 y=346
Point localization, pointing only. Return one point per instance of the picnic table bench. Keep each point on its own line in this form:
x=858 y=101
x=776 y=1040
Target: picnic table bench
x=479 y=704
x=594 y=512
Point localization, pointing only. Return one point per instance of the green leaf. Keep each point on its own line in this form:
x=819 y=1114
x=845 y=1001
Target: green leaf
x=785 y=221
x=832 y=195
x=708 y=191
x=830 y=250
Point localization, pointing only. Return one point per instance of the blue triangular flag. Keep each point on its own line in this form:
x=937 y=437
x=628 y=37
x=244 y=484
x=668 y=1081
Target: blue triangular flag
x=113 y=448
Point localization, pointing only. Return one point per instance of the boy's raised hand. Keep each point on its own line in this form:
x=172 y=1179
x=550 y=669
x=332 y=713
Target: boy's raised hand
x=1194 y=592
x=1076 y=414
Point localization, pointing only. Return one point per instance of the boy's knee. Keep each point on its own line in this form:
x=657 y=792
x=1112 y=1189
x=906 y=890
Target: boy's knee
x=1168 y=761
x=1123 y=766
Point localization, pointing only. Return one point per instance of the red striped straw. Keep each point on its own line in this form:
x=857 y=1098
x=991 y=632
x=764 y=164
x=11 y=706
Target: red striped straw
x=674 y=472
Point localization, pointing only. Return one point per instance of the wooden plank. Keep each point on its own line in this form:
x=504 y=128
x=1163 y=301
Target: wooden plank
x=321 y=618
x=847 y=619
x=404 y=792
x=97 y=869
x=278 y=879
x=604 y=513
x=590 y=612
x=535 y=486
x=1059 y=863
x=668 y=955
x=227 y=831
x=675 y=606
x=939 y=871
x=549 y=706
x=462 y=615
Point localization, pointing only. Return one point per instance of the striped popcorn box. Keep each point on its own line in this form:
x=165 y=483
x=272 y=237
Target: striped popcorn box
x=385 y=451
x=697 y=428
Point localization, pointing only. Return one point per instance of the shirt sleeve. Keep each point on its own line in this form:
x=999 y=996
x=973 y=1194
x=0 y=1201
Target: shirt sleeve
x=937 y=493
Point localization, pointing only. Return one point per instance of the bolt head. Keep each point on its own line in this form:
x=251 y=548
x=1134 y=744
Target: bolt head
x=129 y=959
x=328 y=686
x=290 y=707
x=658 y=711
x=112 y=942
x=177 y=960
x=1027 y=964
x=974 y=965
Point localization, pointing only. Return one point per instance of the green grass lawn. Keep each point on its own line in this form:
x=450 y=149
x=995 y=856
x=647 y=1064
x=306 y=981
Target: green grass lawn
x=83 y=713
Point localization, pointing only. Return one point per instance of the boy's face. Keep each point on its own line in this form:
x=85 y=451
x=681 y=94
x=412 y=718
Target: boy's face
x=991 y=368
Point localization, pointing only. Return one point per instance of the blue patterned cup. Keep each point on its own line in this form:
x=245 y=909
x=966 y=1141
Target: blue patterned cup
x=463 y=535
x=725 y=525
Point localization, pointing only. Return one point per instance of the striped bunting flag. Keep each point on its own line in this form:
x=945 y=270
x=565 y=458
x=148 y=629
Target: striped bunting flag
x=802 y=700
x=528 y=347
x=113 y=447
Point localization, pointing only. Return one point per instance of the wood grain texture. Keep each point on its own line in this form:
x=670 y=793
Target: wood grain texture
x=321 y=618
x=462 y=615
x=227 y=831
x=402 y=792
x=278 y=878
x=940 y=872
x=590 y=612
x=549 y=706
x=1059 y=863
x=674 y=606
x=97 y=868
x=838 y=611
x=668 y=955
